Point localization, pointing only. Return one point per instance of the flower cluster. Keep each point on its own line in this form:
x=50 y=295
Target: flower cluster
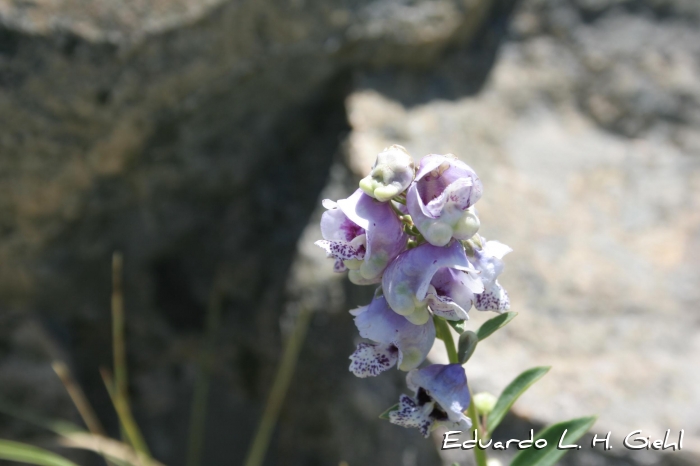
x=414 y=232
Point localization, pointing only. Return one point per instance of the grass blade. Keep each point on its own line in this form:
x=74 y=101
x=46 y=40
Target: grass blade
x=511 y=393
x=57 y=426
x=126 y=419
x=283 y=377
x=113 y=450
x=494 y=324
x=201 y=388
x=29 y=454
x=78 y=397
x=568 y=432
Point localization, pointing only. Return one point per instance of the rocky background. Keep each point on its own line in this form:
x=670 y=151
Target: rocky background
x=197 y=138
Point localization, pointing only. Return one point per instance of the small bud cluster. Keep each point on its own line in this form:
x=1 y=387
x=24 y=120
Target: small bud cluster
x=414 y=232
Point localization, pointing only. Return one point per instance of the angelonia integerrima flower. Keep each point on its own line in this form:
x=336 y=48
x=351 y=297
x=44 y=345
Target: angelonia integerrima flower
x=441 y=397
x=440 y=200
x=391 y=174
x=361 y=234
x=409 y=283
x=395 y=340
x=417 y=237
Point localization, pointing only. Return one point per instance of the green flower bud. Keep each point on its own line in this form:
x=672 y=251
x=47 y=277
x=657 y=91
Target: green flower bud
x=484 y=402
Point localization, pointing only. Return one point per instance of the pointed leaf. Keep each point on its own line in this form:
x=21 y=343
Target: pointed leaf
x=568 y=432
x=385 y=414
x=511 y=393
x=29 y=454
x=460 y=326
x=467 y=344
x=494 y=324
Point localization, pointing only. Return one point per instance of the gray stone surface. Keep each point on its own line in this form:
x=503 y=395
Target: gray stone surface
x=197 y=136
x=193 y=137
x=586 y=138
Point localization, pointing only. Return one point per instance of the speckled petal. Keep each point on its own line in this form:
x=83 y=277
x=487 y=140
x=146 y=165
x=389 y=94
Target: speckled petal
x=336 y=226
x=385 y=236
x=344 y=250
x=454 y=291
x=408 y=277
x=488 y=261
x=371 y=359
x=494 y=298
x=379 y=323
x=446 y=384
x=409 y=414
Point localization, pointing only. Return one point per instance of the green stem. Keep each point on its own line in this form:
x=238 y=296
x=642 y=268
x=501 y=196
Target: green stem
x=121 y=390
x=479 y=454
x=285 y=371
x=119 y=385
x=201 y=389
x=444 y=334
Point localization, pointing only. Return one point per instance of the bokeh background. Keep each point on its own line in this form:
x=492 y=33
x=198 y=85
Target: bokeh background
x=198 y=137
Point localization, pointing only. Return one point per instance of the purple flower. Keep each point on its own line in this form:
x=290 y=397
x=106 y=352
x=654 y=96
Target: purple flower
x=440 y=199
x=439 y=277
x=391 y=174
x=395 y=340
x=441 y=397
x=487 y=260
x=363 y=235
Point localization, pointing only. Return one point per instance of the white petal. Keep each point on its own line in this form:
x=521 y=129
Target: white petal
x=371 y=359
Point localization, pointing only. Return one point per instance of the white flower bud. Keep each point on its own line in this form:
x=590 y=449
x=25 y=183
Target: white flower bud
x=391 y=174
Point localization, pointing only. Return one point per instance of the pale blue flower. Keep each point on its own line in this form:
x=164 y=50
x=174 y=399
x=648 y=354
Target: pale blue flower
x=409 y=283
x=363 y=235
x=395 y=341
x=440 y=199
x=441 y=397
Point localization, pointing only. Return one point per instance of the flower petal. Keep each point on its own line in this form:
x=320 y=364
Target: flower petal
x=445 y=307
x=385 y=235
x=410 y=414
x=488 y=261
x=494 y=298
x=452 y=292
x=391 y=174
x=406 y=280
x=439 y=199
x=380 y=324
x=343 y=250
x=446 y=384
x=336 y=226
x=371 y=359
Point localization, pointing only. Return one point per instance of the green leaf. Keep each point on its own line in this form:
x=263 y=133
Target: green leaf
x=571 y=431
x=57 y=426
x=460 y=326
x=467 y=344
x=512 y=392
x=385 y=414
x=494 y=324
x=29 y=454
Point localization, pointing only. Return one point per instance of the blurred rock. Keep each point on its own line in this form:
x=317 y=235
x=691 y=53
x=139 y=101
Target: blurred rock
x=585 y=137
x=196 y=137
